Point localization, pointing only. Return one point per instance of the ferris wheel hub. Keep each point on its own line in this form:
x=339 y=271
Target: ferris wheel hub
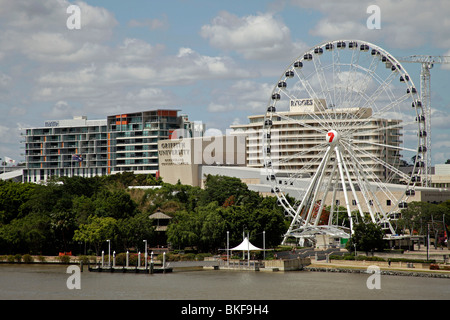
x=332 y=137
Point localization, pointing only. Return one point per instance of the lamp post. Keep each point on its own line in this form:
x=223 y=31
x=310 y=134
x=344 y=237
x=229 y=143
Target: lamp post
x=109 y=252
x=428 y=241
x=151 y=262
x=264 y=245
x=228 y=248
x=145 y=255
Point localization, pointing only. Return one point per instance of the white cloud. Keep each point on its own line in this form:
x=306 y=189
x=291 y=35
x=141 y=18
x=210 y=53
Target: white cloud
x=152 y=24
x=5 y=80
x=38 y=30
x=16 y=111
x=61 y=110
x=243 y=95
x=404 y=23
x=258 y=37
x=440 y=119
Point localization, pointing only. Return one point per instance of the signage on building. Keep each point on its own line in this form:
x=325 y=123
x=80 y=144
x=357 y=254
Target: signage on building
x=171 y=153
x=307 y=105
x=302 y=102
x=52 y=123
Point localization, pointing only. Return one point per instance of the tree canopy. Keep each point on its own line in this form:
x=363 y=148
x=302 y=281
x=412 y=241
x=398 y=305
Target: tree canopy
x=366 y=237
x=69 y=214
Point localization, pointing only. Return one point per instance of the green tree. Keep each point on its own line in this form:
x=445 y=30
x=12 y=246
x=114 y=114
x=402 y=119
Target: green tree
x=43 y=199
x=367 y=237
x=97 y=231
x=82 y=208
x=116 y=204
x=12 y=196
x=183 y=230
x=221 y=188
x=132 y=231
x=63 y=225
x=418 y=215
x=212 y=228
x=30 y=234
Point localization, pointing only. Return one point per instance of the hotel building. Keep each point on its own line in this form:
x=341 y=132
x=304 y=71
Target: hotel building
x=82 y=147
x=295 y=135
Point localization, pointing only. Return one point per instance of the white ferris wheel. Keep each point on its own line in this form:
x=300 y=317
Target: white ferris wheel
x=342 y=119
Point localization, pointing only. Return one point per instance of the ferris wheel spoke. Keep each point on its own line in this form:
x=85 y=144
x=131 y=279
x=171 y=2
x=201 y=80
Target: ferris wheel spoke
x=369 y=179
x=379 y=113
x=325 y=194
x=362 y=186
x=319 y=119
x=352 y=187
x=360 y=129
x=369 y=74
x=307 y=195
x=317 y=187
x=385 y=145
x=344 y=187
x=303 y=124
x=283 y=160
x=382 y=88
x=375 y=203
x=335 y=71
x=306 y=168
x=350 y=81
x=364 y=85
x=393 y=125
x=379 y=161
x=313 y=95
x=361 y=171
x=323 y=84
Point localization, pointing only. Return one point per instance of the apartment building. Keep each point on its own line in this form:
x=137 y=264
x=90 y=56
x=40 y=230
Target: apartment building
x=82 y=147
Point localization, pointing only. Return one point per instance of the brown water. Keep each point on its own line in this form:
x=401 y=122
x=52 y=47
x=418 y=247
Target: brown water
x=48 y=282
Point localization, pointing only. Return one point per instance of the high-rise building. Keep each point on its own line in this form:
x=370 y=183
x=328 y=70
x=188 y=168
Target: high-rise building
x=295 y=135
x=82 y=147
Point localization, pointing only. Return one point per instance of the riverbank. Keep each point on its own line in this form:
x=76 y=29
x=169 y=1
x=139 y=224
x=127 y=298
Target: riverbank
x=312 y=264
x=396 y=269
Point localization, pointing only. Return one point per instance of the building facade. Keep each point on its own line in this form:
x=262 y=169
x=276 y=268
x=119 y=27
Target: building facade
x=183 y=160
x=82 y=147
x=295 y=135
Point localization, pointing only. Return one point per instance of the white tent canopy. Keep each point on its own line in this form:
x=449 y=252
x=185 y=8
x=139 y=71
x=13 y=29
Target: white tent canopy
x=246 y=246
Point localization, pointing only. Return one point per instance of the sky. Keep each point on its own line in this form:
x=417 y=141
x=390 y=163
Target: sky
x=216 y=61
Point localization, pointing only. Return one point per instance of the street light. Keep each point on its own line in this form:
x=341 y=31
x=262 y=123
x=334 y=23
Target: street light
x=145 y=255
x=264 y=244
x=228 y=248
x=109 y=252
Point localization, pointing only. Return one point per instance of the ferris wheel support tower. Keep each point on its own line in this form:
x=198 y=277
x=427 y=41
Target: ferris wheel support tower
x=427 y=63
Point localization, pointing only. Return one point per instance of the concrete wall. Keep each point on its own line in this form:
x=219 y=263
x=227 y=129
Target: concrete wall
x=181 y=159
x=287 y=265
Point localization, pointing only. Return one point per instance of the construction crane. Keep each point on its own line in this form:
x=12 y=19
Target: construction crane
x=427 y=63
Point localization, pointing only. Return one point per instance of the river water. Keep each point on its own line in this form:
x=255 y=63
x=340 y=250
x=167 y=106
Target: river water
x=49 y=282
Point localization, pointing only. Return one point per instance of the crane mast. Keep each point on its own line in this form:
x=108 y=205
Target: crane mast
x=427 y=63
